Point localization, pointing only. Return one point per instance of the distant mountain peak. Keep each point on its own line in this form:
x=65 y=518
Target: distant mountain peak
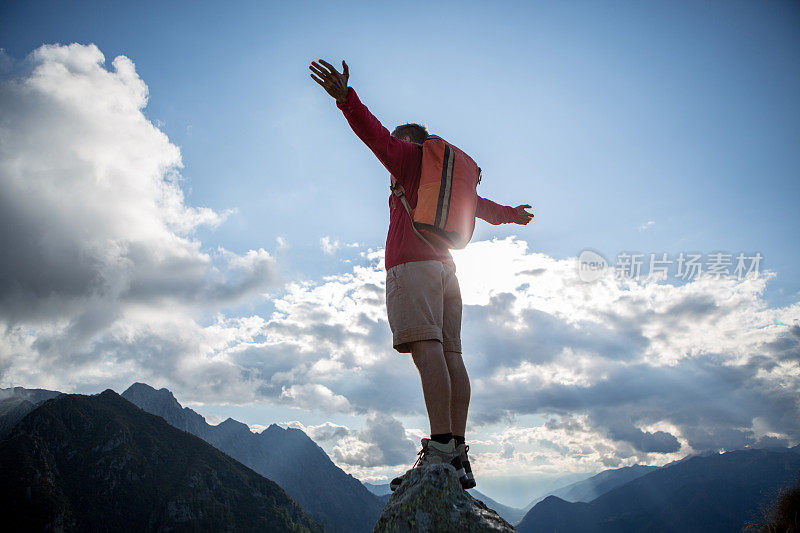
x=273 y=430
x=144 y=388
x=138 y=386
x=99 y=463
x=706 y=492
x=344 y=505
x=139 y=392
x=231 y=424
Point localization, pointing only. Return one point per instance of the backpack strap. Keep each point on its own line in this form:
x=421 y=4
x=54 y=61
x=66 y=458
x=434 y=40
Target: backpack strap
x=398 y=191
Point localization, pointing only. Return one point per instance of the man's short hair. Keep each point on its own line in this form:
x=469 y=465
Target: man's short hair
x=416 y=132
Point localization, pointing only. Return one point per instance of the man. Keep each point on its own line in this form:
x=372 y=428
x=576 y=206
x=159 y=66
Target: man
x=423 y=299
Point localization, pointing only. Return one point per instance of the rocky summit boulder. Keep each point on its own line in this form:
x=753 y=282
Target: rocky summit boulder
x=431 y=499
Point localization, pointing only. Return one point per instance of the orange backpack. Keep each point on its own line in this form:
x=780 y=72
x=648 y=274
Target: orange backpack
x=447 y=197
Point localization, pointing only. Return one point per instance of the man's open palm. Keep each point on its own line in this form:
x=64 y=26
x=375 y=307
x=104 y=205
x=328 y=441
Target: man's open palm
x=334 y=83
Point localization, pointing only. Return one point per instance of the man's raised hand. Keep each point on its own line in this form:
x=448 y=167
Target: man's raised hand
x=523 y=217
x=334 y=83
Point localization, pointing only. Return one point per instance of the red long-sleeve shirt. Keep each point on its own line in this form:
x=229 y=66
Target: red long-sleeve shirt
x=403 y=160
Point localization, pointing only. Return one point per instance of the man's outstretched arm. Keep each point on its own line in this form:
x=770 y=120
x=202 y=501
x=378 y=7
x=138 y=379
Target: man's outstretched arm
x=502 y=214
x=389 y=150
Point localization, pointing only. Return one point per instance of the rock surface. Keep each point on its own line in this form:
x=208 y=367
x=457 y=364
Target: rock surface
x=431 y=499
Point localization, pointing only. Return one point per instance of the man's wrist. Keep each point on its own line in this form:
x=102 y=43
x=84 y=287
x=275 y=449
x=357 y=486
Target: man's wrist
x=344 y=98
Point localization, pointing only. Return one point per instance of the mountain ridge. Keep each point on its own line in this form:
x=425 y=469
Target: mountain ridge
x=710 y=493
x=285 y=455
x=16 y=402
x=590 y=488
x=99 y=463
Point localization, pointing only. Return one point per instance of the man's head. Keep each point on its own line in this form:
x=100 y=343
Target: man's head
x=413 y=133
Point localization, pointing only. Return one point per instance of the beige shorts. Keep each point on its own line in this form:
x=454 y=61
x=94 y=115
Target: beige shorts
x=423 y=301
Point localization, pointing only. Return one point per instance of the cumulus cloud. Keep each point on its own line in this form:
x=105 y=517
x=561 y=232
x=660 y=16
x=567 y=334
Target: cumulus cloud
x=329 y=246
x=382 y=442
x=620 y=429
x=95 y=232
x=313 y=396
x=655 y=370
x=327 y=432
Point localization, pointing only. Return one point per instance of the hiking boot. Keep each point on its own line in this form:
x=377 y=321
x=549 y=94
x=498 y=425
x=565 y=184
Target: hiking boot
x=433 y=452
x=469 y=479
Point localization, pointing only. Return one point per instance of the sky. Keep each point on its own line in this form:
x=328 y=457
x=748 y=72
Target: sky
x=182 y=205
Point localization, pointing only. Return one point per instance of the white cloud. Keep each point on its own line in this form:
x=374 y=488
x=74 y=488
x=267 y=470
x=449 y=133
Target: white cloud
x=329 y=246
x=651 y=370
x=98 y=245
x=327 y=432
x=382 y=442
x=647 y=225
x=628 y=355
x=540 y=341
x=313 y=396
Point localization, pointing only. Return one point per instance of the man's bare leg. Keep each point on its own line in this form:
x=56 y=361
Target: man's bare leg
x=433 y=371
x=459 y=392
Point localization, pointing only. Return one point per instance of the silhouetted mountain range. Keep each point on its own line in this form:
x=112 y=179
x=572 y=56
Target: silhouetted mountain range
x=718 y=492
x=287 y=456
x=75 y=462
x=597 y=485
x=99 y=463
